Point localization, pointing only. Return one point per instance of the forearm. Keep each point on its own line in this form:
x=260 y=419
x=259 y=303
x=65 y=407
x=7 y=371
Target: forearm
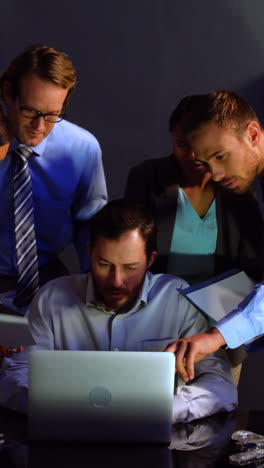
x=14 y=385
x=211 y=392
x=215 y=339
x=246 y=322
x=14 y=371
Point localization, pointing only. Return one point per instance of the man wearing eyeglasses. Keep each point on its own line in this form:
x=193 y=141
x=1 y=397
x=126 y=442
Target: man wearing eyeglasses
x=68 y=183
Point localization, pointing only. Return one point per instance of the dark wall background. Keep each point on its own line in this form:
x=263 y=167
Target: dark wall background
x=135 y=61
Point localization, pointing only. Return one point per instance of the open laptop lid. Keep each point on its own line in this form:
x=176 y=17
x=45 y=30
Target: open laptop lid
x=108 y=396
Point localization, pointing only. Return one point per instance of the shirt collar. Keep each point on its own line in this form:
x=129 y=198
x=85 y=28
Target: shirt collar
x=38 y=150
x=145 y=288
x=140 y=302
x=90 y=294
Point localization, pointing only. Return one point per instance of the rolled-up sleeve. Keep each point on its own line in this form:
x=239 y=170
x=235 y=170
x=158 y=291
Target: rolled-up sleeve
x=14 y=382
x=211 y=391
x=246 y=322
x=14 y=371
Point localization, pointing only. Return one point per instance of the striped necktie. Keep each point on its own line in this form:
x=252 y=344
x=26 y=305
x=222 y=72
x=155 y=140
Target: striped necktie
x=26 y=248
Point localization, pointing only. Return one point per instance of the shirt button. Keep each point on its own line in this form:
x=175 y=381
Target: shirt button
x=116 y=349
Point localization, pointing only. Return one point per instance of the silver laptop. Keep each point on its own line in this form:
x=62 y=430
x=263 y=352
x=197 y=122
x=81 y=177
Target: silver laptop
x=113 y=396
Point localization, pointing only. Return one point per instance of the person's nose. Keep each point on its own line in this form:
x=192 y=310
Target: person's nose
x=117 y=278
x=39 y=124
x=218 y=172
x=191 y=154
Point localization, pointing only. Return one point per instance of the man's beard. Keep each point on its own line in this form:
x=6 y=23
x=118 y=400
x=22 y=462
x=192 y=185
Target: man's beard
x=131 y=297
x=247 y=182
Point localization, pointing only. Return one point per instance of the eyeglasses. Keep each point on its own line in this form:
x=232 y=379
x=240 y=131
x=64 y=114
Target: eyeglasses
x=34 y=114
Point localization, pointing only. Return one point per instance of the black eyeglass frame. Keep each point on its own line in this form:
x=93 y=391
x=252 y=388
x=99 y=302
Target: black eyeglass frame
x=37 y=114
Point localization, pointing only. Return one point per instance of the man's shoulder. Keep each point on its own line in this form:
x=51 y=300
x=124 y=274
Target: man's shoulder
x=64 y=285
x=73 y=133
x=165 y=280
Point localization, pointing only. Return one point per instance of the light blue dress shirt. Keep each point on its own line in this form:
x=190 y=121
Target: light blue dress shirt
x=193 y=241
x=246 y=322
x=68 y=186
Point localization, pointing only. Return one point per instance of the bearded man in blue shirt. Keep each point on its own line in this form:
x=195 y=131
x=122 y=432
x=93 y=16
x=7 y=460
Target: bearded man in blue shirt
x=68 y=183
x=120 y=306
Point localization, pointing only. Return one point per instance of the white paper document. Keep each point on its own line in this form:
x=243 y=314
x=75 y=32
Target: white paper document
x=220 y=295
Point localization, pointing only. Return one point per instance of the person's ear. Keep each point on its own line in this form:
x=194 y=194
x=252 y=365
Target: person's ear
x=253 y=132
x=152 y=258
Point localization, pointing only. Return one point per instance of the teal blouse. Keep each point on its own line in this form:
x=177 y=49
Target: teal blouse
x=193 y=242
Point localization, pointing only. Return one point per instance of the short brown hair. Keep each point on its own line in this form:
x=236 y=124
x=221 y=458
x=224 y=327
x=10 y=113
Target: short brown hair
x=47 y=63
x=225 y=108
x=120 y=216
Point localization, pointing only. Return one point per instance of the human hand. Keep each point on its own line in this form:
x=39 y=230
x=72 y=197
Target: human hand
x=190 y=350
x=8 y=352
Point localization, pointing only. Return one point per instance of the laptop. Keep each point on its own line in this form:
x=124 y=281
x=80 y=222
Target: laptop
x=101 y=396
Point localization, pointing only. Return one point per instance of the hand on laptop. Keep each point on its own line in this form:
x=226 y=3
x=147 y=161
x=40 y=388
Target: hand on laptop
x=8 y=352
x=190 y=350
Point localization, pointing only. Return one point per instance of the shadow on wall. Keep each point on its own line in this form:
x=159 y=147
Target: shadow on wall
x=136 y=60
x=253 y=92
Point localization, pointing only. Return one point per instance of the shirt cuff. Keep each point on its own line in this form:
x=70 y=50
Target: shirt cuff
x=244 y=324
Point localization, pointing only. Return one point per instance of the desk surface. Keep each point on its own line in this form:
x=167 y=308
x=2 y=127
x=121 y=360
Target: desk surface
x=201 y=444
